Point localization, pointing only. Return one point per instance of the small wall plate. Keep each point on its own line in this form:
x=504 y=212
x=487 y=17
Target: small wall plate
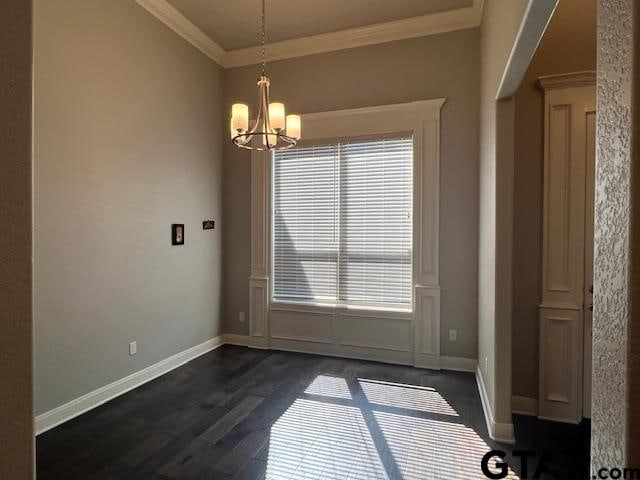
x=177 y=234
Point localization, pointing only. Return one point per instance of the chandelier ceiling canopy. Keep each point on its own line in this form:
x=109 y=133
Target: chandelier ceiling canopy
x=272 y=129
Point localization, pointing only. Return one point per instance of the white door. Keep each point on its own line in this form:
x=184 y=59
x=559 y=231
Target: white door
x=567 y=270
x=588 y=261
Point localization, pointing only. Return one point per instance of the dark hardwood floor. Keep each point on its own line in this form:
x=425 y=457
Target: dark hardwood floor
x=237 y=413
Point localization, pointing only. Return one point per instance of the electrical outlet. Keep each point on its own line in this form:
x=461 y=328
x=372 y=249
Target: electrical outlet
x=486 y=365
x=241 y=317
x=453 y=335
x=133 y=348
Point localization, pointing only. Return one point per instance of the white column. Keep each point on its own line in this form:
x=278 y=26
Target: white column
x=259 y=284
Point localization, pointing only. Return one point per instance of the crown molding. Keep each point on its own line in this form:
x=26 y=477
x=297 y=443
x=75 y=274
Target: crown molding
x=567 y=80
x=431 y=24
x=459 y=19
x=430 y=108
x=172 y=18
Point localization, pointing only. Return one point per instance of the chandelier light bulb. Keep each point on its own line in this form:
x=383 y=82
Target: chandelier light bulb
x=294 y=127
x=277 y=116
x=239 y=117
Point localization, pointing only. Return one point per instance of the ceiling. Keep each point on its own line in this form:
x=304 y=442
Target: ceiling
x=235 y=24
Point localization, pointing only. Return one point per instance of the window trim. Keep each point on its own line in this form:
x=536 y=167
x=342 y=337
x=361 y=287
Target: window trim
x=422 y=118
x=338 y=303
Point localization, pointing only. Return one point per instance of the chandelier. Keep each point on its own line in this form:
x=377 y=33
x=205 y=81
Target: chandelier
x=272 y=130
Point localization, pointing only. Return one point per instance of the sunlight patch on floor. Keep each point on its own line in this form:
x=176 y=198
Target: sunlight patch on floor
x=329 y=386
x=411 y=397
x=427 y=449
x=337 y=438
x=316 y=440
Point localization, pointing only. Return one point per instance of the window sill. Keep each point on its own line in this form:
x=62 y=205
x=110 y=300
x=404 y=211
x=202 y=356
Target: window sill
x=362 y=310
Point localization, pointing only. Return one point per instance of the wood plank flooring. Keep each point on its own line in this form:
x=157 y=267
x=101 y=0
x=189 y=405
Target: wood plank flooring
x=237 y=413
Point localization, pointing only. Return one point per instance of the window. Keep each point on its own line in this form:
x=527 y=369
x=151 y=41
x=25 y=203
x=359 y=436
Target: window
x=342 y=227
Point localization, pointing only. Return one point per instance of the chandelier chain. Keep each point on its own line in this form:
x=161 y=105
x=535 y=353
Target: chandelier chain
x=264 y=35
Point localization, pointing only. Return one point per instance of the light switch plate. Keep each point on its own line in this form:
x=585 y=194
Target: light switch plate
x=133 y=348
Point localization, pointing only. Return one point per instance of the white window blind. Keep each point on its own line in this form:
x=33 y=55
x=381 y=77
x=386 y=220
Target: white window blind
x=342 y=227
x=305 y=256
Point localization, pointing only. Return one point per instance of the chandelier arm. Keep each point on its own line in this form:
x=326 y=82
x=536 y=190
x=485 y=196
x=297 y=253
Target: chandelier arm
x=256 y=125
x=242 y=141
x=263 y=113
x=261 y=109
x=281 y=135
x=267 y=120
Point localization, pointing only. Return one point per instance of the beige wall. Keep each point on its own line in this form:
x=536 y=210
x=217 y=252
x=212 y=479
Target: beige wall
x=127 y=141
x=568 y=45
x=443 y=65
x=500 y=24
x=16 y=332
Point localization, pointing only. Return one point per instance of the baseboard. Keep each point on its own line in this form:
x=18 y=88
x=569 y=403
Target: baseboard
x=484 y=400
x=501 y=432
x=235 y=339
x=341 y=351
x=459 y=364
x=524 y=406
x=52 y=418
